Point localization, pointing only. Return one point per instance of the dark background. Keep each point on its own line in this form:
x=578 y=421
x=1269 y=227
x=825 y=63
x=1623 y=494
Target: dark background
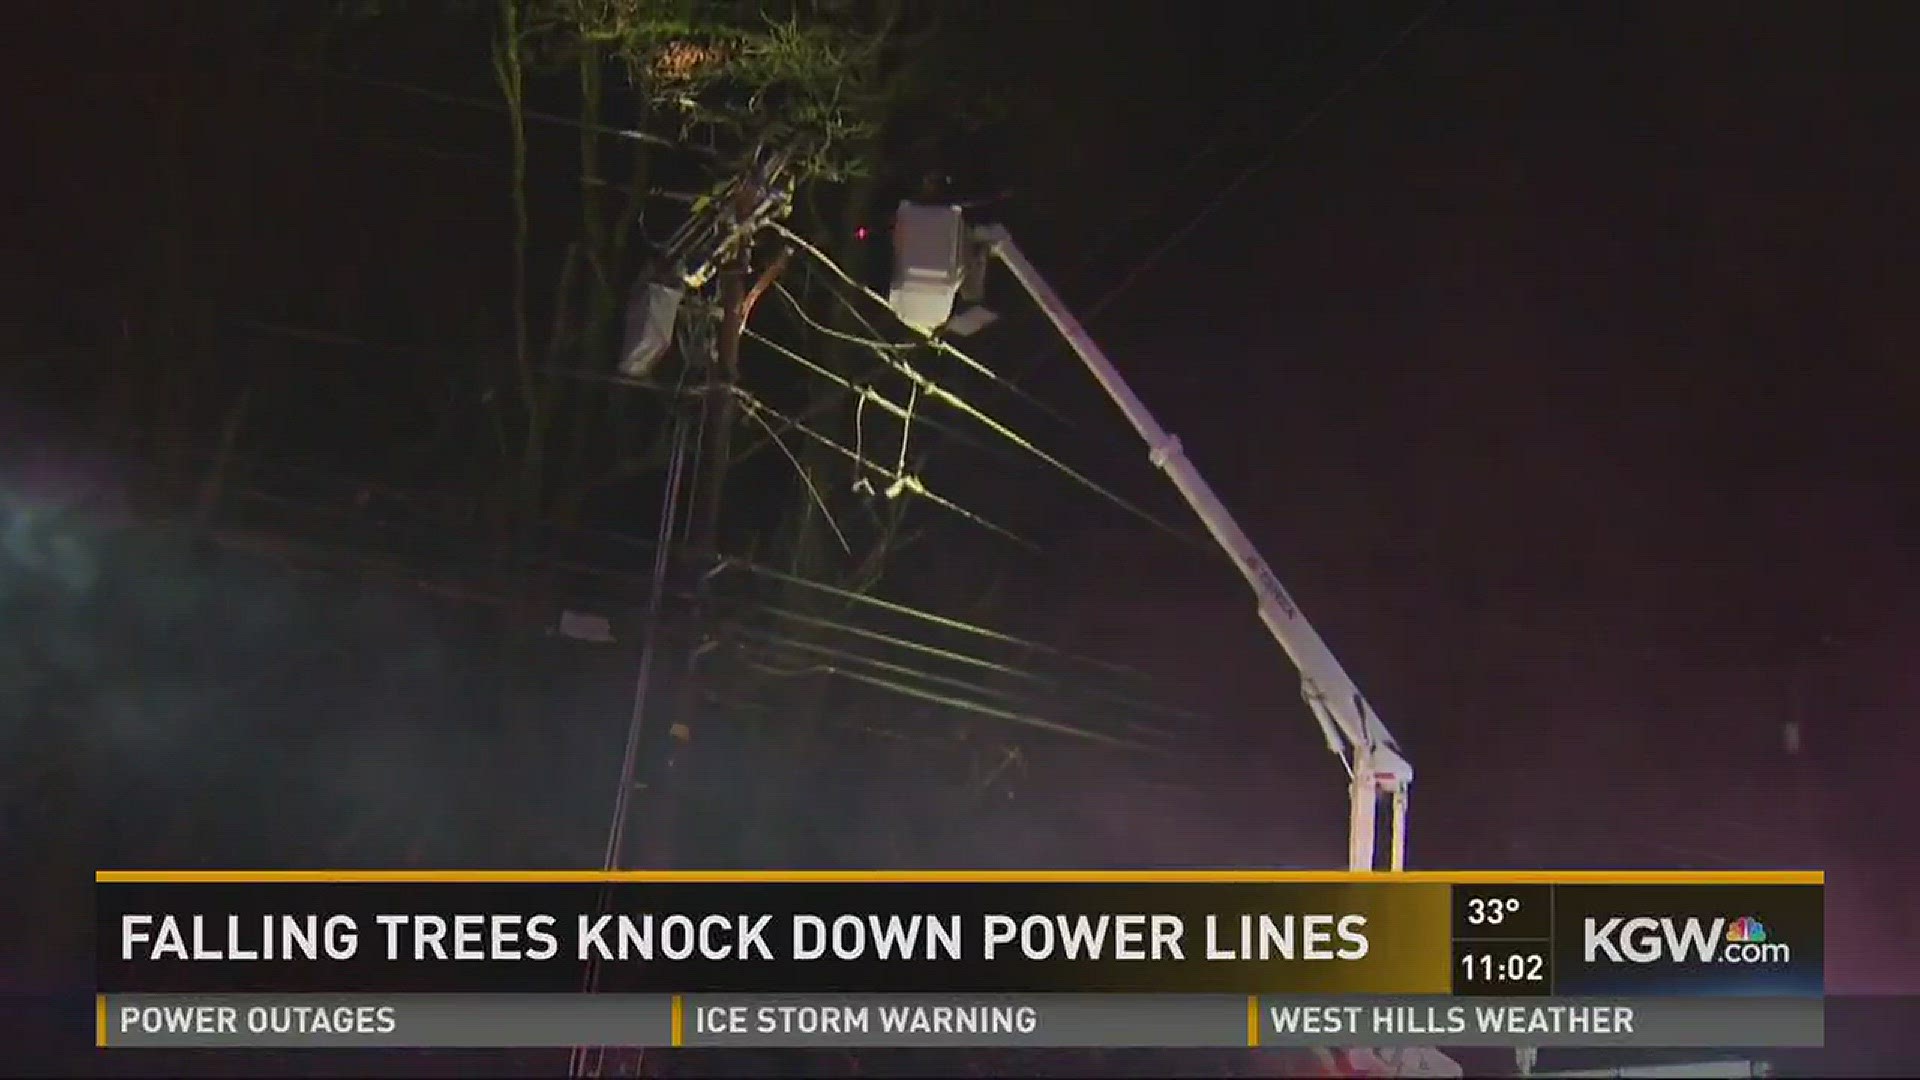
x=1561 y=367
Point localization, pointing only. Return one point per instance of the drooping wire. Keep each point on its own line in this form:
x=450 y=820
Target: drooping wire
x=954 y=401
x=906 y=434
x=880 y=342
x=899 y=480
x=824 y=372
x=757 y=413
x=948 y=398
x=827 y=403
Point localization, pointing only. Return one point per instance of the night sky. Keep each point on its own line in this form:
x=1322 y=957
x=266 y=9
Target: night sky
x=1559 y=370
x=1561 y=365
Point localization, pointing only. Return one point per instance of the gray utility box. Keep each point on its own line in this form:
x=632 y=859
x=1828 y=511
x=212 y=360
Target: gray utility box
x=929 y=264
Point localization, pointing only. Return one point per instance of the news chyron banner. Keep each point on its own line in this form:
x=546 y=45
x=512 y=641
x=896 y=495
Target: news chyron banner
x=1063 y=959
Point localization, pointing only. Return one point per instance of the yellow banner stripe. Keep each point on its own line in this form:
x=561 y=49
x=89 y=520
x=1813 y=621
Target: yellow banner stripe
x=920 y=877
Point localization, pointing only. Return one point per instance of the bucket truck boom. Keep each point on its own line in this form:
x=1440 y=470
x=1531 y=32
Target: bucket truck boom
x=1374 y=764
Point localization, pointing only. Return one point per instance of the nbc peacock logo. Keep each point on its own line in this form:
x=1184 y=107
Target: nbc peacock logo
x=1748 y=943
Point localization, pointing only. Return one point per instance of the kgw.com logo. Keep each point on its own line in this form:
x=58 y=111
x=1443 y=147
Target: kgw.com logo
x=1644 y=940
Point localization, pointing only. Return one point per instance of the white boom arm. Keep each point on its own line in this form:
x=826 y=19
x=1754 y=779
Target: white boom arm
x=1369 y=751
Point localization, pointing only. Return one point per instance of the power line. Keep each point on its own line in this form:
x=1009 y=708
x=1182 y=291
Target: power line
x=579 y=1056
x=957 y=703
x=964 y=660
x=1229 y=124
x=834 y=654
x=879 y=343
x=860 y=392
x=906 y=481
x=877 y=603
x=949 y=398
x=445 y=97
x=1016 y=705
x=955 y=657
x=1220 y=197
x=738 y=636
x=824 y=404
x=935 y=618
x=755 y=413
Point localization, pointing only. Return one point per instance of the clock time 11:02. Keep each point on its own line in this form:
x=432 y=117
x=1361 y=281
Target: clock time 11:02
x=1514 y=967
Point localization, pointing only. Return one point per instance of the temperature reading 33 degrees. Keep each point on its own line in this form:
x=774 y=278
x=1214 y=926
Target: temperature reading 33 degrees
x=1503 y=940
x=1491 y=910
x=1502 y=913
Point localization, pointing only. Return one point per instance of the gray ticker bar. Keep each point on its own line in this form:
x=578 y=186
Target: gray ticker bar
x=1488 y=1021
x=561 y=1020
x=482 y=1021
x=914 y=1020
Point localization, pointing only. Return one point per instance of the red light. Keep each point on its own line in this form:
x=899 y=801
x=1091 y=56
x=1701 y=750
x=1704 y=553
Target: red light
x=860 y=233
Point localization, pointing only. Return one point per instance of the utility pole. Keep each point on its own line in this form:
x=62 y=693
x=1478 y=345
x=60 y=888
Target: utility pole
x=722 y=411
x=664 y=754
x=661 y=752
x=737 y=302
x=653 y=810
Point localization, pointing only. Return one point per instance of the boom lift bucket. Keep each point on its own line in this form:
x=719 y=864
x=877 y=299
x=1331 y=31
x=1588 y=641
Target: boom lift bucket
x=929 y=264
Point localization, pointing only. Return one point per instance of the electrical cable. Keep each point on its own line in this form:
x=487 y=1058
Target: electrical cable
x=958 y=704
x=834 y=653
x=894 y=607
x=636 y=725
x=898 y=479
x=822 y=406
x=1220 y=197
x=954 y=401
x=783 y=577
x=880 y=343
x=1253 y=109
x=892 y=667
x=444 y=97
x=754 y=413
x=1139 y=726
x=952 y=656
x=689 y=442
x=852 y=387
x=938 y=344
